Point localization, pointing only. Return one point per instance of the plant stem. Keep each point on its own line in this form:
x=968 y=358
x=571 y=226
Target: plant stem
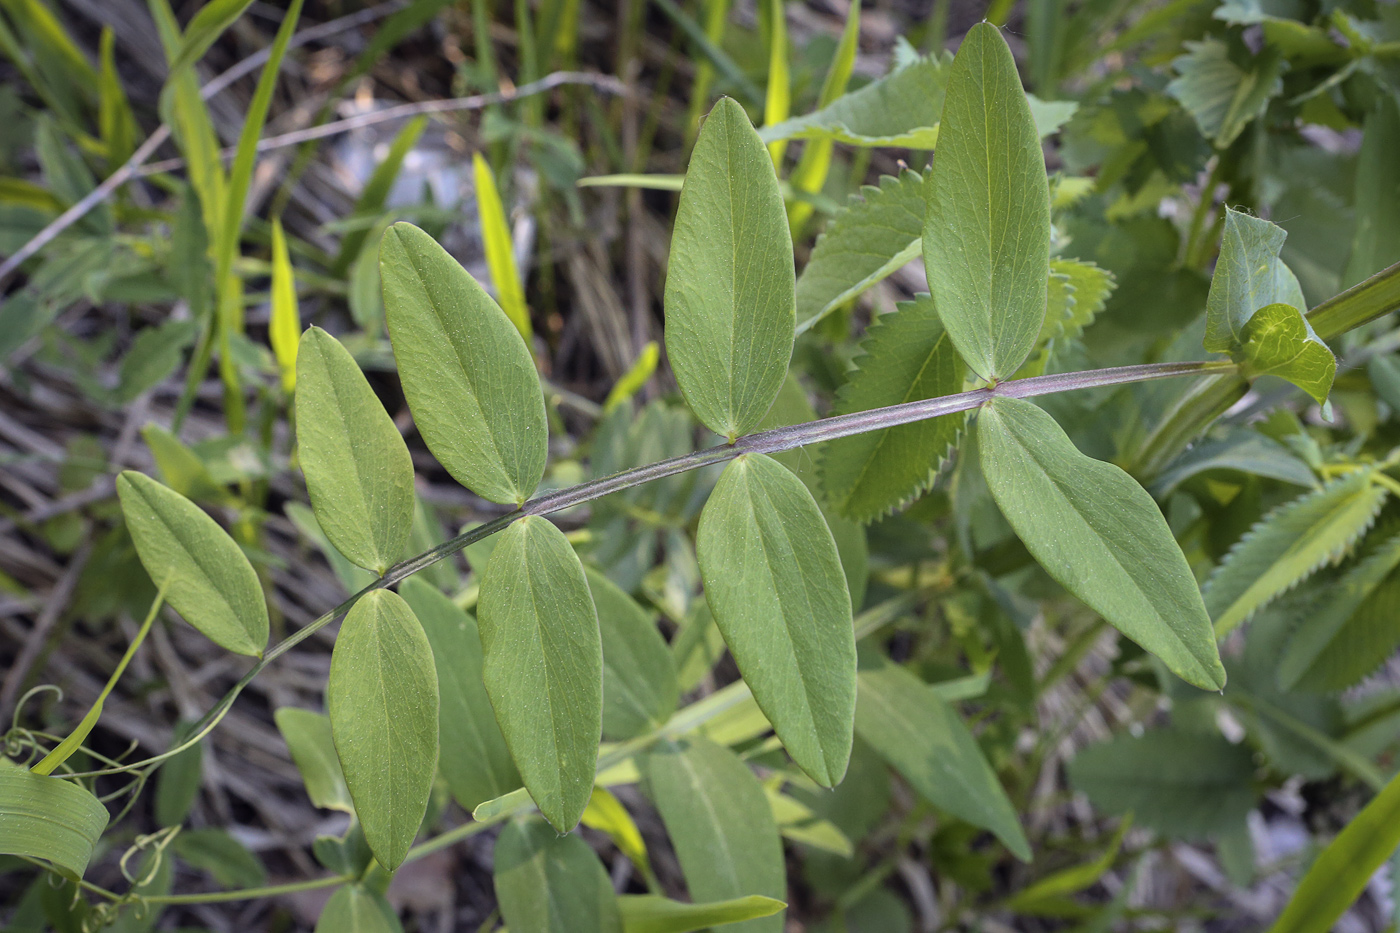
x=248 y=894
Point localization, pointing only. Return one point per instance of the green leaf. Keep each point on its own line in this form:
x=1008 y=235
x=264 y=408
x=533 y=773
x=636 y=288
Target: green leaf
x=1345 y=867
x=154 y=356
x=986 y=239
x=544 y=665
x=383 y=701
x=352 y=579
x=1279 y=341
x=284 y=328
x=179 y=779
x=48 y=818
x=606 y=814
x=1289 y=544
x=650 y=913
x=1248 y=276
x=1244 y=451
x=730 y=284
x=308 y=737
x=1077 y=293
x=797 y=822
x=548 y=883
x=907 y=356
x=499 y=245
x=910 y=726
x=720 y=823
x=467 y=374
x=375 y=193
x=205 y=575
x=1099 y=534
x=208 y=24
x=639 y=676
x=876 y=234
x=1184 y=784
x=1049 y=890
x=356 y=909
x=1376 y=242
x=774 y=583
x=1222 y=96
x=899 y=110
x=227 y=860
x=472 y=753
x=357 y=467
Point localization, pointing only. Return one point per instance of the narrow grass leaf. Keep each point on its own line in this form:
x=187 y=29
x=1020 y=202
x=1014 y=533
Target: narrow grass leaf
x=810 y=173
x=382 y=697
x=375 y=193
x=1099 y=534
x=284 y=328
x=777 y=101
x=49 y=818
x=774 y=582
x=500 y=247
x=468 y=376
x=651 y=913
x=544 y=665
x=548 y=883
x=208 y=24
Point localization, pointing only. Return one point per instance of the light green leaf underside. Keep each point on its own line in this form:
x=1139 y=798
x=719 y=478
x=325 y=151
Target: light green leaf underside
x=986 y=240
x=775 y=585
x=1183 y=784
x=206 y=577
x=472 y=752
x=1248 y=276
x=730 y=283
x=548 y=883
x=910 y=726
x=543 y=665
x=901 y=110
x=357 y=467
x=640 y=691
x=382 y=698
x=356 y=909
x=1279 y=341
x=467 y=374
x=49 y=818
x=872 y=237
x=1289 y=544
x=720 y=823
x=907 y=356
x=1221 y=96
x=650 y=913
x=1099 y=534
x=308 y=737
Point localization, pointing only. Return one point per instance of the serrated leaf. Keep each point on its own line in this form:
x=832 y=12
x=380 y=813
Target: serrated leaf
x=1248 y=276
x=1183 y=784
x=721 y=826
x=910 y=726
x=907 y=356
x=1245 y=451
x=358 y=471
x=1279 y=341
x=49 y=818
x=308 y=737
x=467 y=374
x=548 y=883
x=1221 y=96
x=900 y=110
x=986 y=239
x=650 y=913
x=872 y=237
x=543 y=665
x=1099 y=534
x=1289 y=544
x=472 y=753
x=357 y=909
x=382 y=697
x=206 y=577
x=639 y=676
x=1077 y=293
x=774 y=583
x=730 y=283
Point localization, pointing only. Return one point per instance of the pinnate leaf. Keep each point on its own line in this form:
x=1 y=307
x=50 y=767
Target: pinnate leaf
x=1289 y=544
x=730 y=305
x=357 y=467
x=1099 y=534
x=548 y=883
x=543 y=665
x=775 y=585
x=986 y=235
x=382 y=697
x=467 y=374
x=206 y=577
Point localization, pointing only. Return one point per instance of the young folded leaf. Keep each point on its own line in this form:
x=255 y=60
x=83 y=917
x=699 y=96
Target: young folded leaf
x=543 y=665
x=721 y=825
x=357 y=467
x=921 y=736
x=382 y=697
x=730 y=288
x=206 y=576
x=639 y=676
x=774 y=583
x=49 y=818
x=548 y=883
x=467 y=374
x=1099 y=534
x=1248 y=276
x=986 y=236
x=1279 y=341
